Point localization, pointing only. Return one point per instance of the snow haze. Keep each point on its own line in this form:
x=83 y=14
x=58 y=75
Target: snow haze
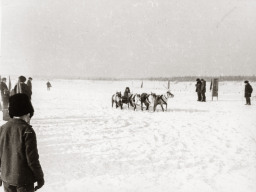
x=128 y=38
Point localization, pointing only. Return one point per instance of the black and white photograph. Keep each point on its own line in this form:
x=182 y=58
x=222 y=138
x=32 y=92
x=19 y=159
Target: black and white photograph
x=128 y=96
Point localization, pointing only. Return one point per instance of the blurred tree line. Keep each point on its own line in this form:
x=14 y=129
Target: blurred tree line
x=182 y=78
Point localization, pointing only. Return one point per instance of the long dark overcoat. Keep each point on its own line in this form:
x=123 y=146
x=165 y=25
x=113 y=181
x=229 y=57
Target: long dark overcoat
x=248 y=90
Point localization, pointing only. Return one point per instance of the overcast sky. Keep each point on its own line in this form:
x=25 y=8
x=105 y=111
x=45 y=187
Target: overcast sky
x=128 y=38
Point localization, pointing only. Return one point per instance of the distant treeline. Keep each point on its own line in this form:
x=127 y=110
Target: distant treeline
x=207 y=78
x=185 y=78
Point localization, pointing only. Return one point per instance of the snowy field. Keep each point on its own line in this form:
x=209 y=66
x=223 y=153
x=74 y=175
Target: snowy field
x=86 y=145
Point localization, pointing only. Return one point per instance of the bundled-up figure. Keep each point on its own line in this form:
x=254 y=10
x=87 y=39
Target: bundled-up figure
x=19 y=160
x=248 y=92
x=48 y=84
x=29 y=83
x=126 y=93
x=22 y=87
x=203 y=90
x=198 y=89
x=4 y=93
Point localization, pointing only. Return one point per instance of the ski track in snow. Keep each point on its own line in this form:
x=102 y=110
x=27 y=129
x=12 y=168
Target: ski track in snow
x=86 y=145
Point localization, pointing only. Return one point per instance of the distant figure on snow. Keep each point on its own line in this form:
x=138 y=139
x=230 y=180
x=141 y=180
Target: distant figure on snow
x=248 y=92
x=203 y=90
x=21 y=87
x=4 y=93
x=198 y=89
x=19 y=159
x=48 y=84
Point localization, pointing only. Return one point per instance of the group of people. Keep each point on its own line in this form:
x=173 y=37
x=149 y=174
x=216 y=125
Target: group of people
x=201 y=89
x=19 y=159
x=20 y=87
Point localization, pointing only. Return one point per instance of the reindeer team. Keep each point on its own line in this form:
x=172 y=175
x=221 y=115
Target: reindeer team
x=143 y=99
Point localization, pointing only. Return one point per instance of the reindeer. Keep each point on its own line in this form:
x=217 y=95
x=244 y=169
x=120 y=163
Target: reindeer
x=135 y=99
x=161 y=99
x=146 y=99
x=117 y=99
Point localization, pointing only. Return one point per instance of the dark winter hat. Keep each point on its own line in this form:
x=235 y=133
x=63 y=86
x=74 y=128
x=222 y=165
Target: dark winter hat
x=197 y=79
x=3 y=79
x=19 y=105
x=22 y=79
x=30 y=78
x=246 y=81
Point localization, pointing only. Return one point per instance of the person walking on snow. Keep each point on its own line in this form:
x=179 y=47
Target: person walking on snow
x=48 y=84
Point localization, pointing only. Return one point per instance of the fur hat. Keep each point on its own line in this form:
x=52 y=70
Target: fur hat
x=246 y=81
x=19 y=105
x=22 y=79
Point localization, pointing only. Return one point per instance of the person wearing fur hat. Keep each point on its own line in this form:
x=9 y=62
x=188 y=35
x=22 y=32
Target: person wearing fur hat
x=22 y=87
x=4 y=93
x=248 y=92
x=19 y=160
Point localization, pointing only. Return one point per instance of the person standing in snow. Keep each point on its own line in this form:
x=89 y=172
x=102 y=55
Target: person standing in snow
x=203 y=90
x=248 y=92
x=19 y=160
x=29 y=84
x=22 y=87
x=4 y=93
x=198 y=89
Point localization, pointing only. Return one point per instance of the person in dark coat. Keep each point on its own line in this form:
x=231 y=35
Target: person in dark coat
x=4 y=93
x=248 y=92
x=29 y=84
x=19 y=160
x=23 y=87
x=126 y=93
x=203 y=90
x=198 y=89
x=48 y=84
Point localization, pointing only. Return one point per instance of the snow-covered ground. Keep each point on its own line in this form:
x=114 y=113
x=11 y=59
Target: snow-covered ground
x=86 y=145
